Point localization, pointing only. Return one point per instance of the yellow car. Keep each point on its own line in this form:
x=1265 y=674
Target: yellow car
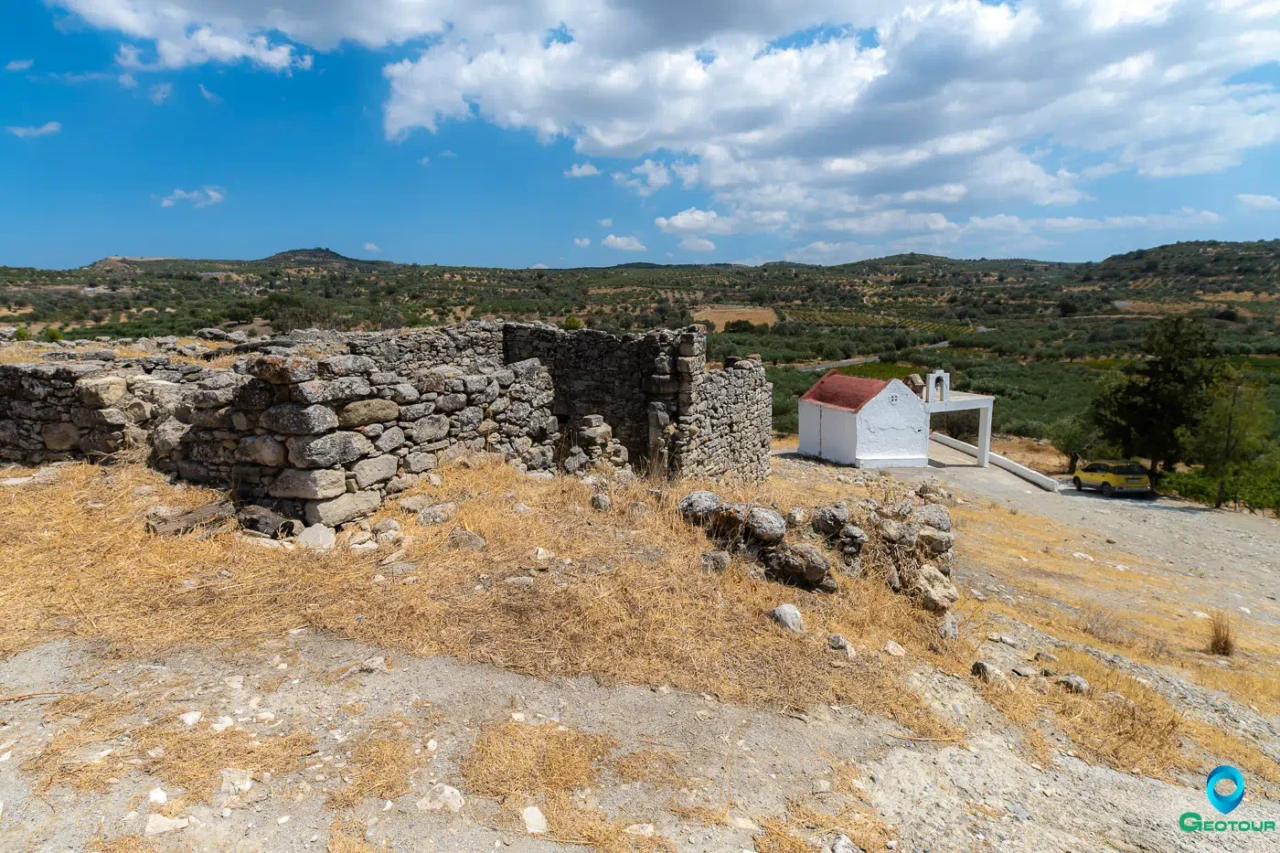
x=1114 y=478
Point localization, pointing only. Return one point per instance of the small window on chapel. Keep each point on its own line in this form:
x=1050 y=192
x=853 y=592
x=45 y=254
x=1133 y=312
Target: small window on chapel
x=893 y=399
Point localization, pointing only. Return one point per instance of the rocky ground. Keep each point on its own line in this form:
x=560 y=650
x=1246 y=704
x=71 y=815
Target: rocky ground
x=301 y=739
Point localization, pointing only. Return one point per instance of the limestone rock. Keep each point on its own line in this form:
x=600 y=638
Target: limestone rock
x=376 y=470
x=829 y=520
x=310 y=485
x=936 y=516
x=697 y=507
x=292 y=419
x=342 y=509
x=804 y=565
x=716 y=561
x=935 y=591
x=1074 y=684
x=99 y=392
x=440 y=797
x=364 y=412
x=461 y=539
x=328 y=451
x=60 y=436
x=317 y=537
x=435 y=513
x=935 y=541
x=788 y=616
x=262 y=450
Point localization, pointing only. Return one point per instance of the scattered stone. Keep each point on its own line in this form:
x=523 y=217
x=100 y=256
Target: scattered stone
x=892 y=649
x=949 y=627
x=437 y=513
x=342 y=509
x=157 y=796
x=796 y=517
x=986 y=672
x=601 y=502
x=535 y=822
x=440 y=797
x=936 y=516
x=1025 y=671
x=523 y=581
x=317 y=537
x=838 y=642
x=1047 y=657
x=190 y=718
x=644 y=830
x=716 y=561
x=935 y=591
x=843 y=844
x=788 y=616
x=158 y=824
x=1074 y=684
x=830 y=520
x=236 y=781
x=461 y=539
x=755 y=523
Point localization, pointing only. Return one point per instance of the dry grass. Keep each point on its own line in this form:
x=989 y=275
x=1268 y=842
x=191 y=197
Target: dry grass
x=659 y=767
x=1036 y=455
x=513 y=759
x=636 y=609
x=804 y=829
x=520 y=763
x=105 y=738
x=1222 y=639
x=122 y=844
x=380 y=766
x=346 y=838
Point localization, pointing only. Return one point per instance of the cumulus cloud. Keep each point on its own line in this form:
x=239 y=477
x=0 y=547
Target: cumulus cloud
x=695 y=221
x=539 y=267
x=606 y=223
x=582 y=242
x=624 y=244
x=697 y=244
x=19 y=64
x=1259 y=202
x=203 y=197
x=581 y=170
x=894 y=110
x=371 y=247
x=47 y=129
x=160 y=92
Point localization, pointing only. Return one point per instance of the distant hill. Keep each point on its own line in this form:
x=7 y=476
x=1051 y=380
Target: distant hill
x=318 y=258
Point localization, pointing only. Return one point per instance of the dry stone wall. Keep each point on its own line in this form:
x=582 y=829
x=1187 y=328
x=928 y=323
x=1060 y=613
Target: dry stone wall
x=327 y=436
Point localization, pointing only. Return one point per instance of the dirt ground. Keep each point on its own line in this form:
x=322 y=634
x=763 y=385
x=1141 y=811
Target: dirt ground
x=327 y=704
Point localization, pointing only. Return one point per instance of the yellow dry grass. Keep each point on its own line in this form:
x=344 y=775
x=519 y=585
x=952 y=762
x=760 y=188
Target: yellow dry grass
x=122 y=844
x=345 y=838
x=75 y=561
x=513 y=759
x=1037 y=455
x=102 y=739
x=803 y=829
x=380 y=765
x=659 y=767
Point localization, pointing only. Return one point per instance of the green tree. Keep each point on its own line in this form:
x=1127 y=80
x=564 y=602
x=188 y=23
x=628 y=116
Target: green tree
x=22 y=334
x=1073 y=437
x=1150 y=408
x=51 y=334
x=1234 y=431
x=572 y=323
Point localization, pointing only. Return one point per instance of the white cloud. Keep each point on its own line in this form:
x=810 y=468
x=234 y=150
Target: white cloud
x=695 y=221
x=582 y=242
x=447 y=153
x=209 y=96
x=203 y=197
x=697 y=244
x=160 y=92
x=19 y=64
x=371 y=247
x=624 y=244
x=1259 y=202
x=902 y=105
x=650 y=177
x=581 y=170
x=539 y=267
x=128 y=81
x=47 y=129
x=424 y=161
x=606 y=223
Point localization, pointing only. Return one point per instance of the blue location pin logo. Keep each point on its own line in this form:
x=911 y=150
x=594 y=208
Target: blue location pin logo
x=1225 y=803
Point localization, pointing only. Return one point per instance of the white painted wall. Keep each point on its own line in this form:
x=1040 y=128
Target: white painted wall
x=828 y=433
x=893 y=430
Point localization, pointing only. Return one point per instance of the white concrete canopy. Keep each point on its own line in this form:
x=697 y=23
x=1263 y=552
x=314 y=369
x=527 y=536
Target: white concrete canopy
x=959 y=401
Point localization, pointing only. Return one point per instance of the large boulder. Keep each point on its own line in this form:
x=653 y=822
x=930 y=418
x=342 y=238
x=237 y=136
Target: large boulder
x=755 y=524
x=830 y=520
x=802 y=565
x=899 y=533
x=931 y=515
x=934 y=541
x=935 y=591
x=697 y=507
x=99 y=392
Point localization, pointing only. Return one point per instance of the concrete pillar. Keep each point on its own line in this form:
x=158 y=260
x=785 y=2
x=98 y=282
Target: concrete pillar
x=984 y=435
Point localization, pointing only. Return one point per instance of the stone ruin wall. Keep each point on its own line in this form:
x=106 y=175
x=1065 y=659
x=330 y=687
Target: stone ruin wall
x=326 y=438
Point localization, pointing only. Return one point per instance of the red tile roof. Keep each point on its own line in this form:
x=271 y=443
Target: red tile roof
x=844 y=392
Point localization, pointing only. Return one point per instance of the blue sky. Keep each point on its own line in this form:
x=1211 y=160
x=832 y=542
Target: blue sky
x=438 y=131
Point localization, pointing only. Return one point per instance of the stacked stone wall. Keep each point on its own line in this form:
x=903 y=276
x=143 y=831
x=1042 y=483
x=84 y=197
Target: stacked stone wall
x=328 y=439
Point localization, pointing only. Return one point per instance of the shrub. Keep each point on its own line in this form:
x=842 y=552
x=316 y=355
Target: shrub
x=22 y=334
x=51 y=334
x=1221 y=639
x=572 y=323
